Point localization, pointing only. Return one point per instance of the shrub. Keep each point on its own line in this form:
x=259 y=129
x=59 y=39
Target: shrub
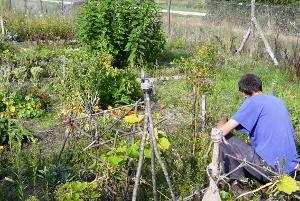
x=5 y=46
x=91 y=75
x=24 y=105
x=39 y=27
x=130 y=30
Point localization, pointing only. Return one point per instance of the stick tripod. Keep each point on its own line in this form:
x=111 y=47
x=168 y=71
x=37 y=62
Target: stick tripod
x=254 y=23
x=147 y=86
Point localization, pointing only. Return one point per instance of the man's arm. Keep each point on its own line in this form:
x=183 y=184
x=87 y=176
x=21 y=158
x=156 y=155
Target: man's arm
x=227 y=126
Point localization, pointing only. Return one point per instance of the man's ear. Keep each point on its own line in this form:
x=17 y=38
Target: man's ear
x=245 y=95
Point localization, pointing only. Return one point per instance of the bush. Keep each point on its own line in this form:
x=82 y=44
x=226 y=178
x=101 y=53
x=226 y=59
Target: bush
x=91 y=75
x=130 y=30
x=39 y=27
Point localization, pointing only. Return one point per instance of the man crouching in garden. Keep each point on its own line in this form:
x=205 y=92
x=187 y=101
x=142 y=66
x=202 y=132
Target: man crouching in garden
x=266 y=120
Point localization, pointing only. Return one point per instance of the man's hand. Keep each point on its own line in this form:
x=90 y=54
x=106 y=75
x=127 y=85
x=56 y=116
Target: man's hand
x=216 y=135
x=222 y=121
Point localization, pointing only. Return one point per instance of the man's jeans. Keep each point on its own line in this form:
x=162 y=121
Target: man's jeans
x=236 y=147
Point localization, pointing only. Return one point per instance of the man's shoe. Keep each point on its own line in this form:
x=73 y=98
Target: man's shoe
x=239 y=188
x=223 y=185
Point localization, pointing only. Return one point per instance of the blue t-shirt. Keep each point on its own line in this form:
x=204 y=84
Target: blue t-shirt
x=266 y=119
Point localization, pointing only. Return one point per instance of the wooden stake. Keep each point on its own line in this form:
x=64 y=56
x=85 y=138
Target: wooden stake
x=2 y=26
x=252 y=29
x=273 y=89
x=244 y=40
x=263 y=37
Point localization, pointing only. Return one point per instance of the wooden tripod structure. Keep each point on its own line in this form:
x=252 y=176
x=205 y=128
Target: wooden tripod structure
x=254 y=23
x=147 y=86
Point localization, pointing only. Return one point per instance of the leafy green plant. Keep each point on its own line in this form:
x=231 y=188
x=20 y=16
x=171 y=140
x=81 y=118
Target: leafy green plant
x=116 y=157
x=98 y=79
x=34 y=27
x=34 y=165
x=130 y=30
x=5 y=46
x=10 y=130
x=53 y=175
x=77 y=191
x=26 y=105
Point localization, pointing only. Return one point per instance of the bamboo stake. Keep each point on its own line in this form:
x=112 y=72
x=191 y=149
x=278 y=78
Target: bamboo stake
x=194 y=121
x=273 y=89
x=134 y=126
x=141 y=158
x=2 y=26
x=203 y=113
x=152 y=138
x=252 y=28
x=160 y=161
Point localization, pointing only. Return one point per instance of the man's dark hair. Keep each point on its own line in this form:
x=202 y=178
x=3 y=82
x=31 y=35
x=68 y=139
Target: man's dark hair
x=250 y=84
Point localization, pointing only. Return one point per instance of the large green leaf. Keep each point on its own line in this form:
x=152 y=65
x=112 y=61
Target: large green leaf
x=287 y=184
x=94 y=195
x=78 y=186
x=157 y=116
x=72 y=197
x=133 y=153
x=164 y=143
x=115 y=160
x=147 y=153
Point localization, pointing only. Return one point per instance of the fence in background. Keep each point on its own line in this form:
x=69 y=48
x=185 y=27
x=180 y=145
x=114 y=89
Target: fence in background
x=227 y=21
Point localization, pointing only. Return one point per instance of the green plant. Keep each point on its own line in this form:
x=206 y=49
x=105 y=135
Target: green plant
x=5 y=46
x=98 y=79
x=39 y=27
x=117 y=157
x=29 y=105
x=21 y=73
x=34 y=165
x=77 y=191
x=53 y=175
x=130 y=30
x=36 y=74
x=19 y=181
x=16 y=137
x=10 y=130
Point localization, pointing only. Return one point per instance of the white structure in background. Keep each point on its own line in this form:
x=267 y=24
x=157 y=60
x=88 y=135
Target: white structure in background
x=184 y=12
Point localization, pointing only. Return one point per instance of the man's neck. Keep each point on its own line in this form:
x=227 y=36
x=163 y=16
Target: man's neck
x=256 y=93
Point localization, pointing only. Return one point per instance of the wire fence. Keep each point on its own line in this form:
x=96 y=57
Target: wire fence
x=278 y=19
x=226 y=21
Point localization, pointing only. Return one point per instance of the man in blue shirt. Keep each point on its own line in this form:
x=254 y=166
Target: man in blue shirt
x=266 y=119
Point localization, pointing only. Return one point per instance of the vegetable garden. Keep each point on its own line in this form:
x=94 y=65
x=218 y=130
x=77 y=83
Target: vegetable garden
x=75 y=109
